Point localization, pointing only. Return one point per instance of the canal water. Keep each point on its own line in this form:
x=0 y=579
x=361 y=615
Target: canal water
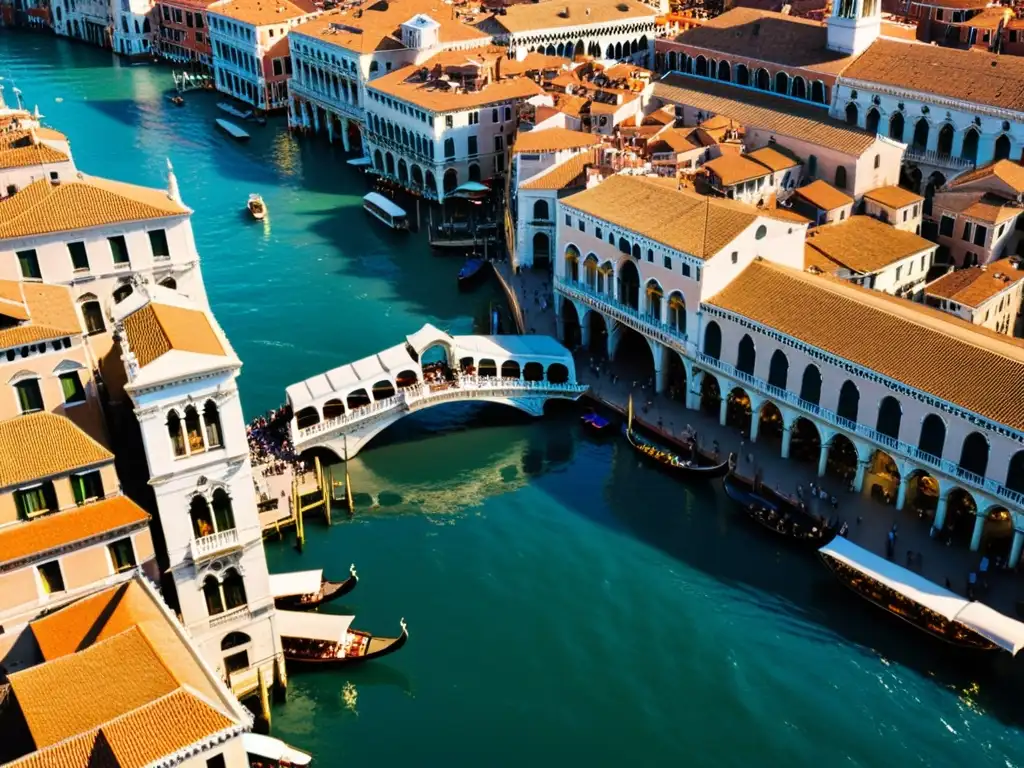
x=565 y=604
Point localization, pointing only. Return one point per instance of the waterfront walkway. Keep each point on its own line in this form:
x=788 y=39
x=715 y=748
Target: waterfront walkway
x=869 y=520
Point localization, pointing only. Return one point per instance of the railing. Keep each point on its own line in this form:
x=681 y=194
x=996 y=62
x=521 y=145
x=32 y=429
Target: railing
x=625 y=314
x=931 y=157
x=208 y=546
x=327 y=99
x=890 y=443
x=241 y=612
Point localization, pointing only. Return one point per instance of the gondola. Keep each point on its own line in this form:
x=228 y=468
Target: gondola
x=695 y=468
x=776 y=512
x=354 y=648
x=596 y=424
x=329 y=590
x=471 y=273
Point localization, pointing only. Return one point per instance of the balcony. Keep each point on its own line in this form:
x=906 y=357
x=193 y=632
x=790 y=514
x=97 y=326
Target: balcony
x=933 y=158
x=212 y=545
x=242 y=612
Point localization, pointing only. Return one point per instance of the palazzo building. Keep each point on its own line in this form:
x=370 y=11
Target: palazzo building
x=184 y=32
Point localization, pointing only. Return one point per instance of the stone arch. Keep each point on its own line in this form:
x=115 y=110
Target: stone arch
x=818 y=92
x=997 y=533
x=763 y=80
x=742 y=75
x=798 y=88
x=700 y=66
x=571 y=333
x=810 y=385
x=724 y=71
x=738 y=410
x=533 y=371
x=746 y=355
x=417 y=176
x=383 y=389
x=849 y=401
x=307 y=417
x=487 y=368
x=883 y=477
x=676 y=378
x=921 y=130
x=389 y=164
x=403 y=171
x=676 y=316
x=974 y=453
x=969 y=151
x=872 y=120
x=1003 y=147
x=474 y=172
x=333 y=408
x=805 y=443
x=451 y=180
x=782 y=82
x=922 y=493
x=558 y=373
x=541 y=249
x=713 y=340
x=890 y=414
x=1015 y=472
x=406 y=378
x=710 y=394
x=944 y=146
x=511 y=369
x=629 y=284
x=357 y=399
x=842 y=458
x=933 y=436
x=778 y=369
x=770 y=423
x=896 y=123
x=430 y=183
x=961 y=512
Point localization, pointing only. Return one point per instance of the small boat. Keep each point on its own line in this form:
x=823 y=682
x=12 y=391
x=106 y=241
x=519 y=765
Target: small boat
x=359 y=162
x=305 y=590
x=257 y=207
x=471 y=272
x=697 y=467
x=177 y=100
x=776 y=512
x=595 y=424
x=257 y=745
x=385 y=210
x=351 y=646
x=243 y=114
x=232 y=130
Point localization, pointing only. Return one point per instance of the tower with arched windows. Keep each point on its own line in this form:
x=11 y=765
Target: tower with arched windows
x=181 y=379
x=854 y=25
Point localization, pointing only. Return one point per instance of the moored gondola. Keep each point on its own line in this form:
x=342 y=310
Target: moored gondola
x=305 y=590
x=697 y=467
x=776 y=512
x=329 y=640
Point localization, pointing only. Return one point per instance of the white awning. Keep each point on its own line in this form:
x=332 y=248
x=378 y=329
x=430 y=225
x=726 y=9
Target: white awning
x=314 y=626
x=295 y=583
x=917 y=588
x=542 y=349
x=274 y=749
x=388 y=206
x=1000 y=629
x=426 y=337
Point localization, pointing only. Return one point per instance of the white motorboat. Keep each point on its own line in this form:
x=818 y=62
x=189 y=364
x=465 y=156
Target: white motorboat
x=257 y=207
x=386 y=211
x=232 y=130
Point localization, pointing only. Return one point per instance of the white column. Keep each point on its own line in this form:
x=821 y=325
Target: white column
x=330 y=128
x=901 y=495
x=940 y=514
x=979 y=528
x=822 y=460
x=755 y=424
x=1018 y=544
x=787 y=436
x=723 y=407
x=858 y=479
x=344 y=134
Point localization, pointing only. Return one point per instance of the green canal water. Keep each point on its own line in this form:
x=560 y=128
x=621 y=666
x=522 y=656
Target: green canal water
x=566 y=606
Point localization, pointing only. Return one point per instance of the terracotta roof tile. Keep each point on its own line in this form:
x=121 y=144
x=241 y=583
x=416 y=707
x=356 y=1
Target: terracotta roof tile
x=18 y=151
x=261 y=12
x=1006 y=171
x=863 y=326
x=955 y=5
x=553 y=14
x=156 y=329
x=973 y=286
x=971 y=76
x=675 y=140
x=775 y=158
x=24 y=539
x=864 y=244
x=42 y=444
x=783 y=117
x=823 y=195
x=893 y=197
x=770 y=37
x=44 y=312
x=553 y=140
x=42 y=207
x=735 y=169
x=684 y=220
x=564 y=175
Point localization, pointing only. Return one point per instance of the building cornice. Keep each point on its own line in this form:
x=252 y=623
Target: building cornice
x=931 y=99
x=49 y=554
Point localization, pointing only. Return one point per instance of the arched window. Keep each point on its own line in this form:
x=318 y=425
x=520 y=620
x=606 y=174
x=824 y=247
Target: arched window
x=970 y=148
x=540 y=210
x=921 y=129
x=403 y=171
x=92 y=316
x=778 y=369
x=890 y=414
x=713 y=341
x=214 y=600
x=746 y=355
x=558 y=373
x=635 y=251
x=307 y=417
x=211 y=416
x=1015 y=473
x=742 y=75
x=174 y=431
x=202 y=520
x=474 y=172
x=358 y=399
x=701 y=66
x=798 y=90
x=849 y=401
x=234 y=589
x=510 y=370
x=572 y=263
x=933 y=436
x=1003 y=147
x=223 y=514
x=677 y=312
x=234 y=640
x=654 y=295
x=389 y=164
x=724 y=72
x=841 y=177
x=533 y=372
x=896 y=126
x=974 y=454
x=333 y=408
x=169 y=282
x=378 y=160
x=810 y=387
x=194 y=431
x=818 y=92
x=451 y=180
x=383 y=389
x=763 y=81
x=852 y=113
x=945 y=143
x=782 y=83
x=624 y=246
x=871 y=123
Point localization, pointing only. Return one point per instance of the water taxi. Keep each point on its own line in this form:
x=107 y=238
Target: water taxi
x=234 y=111
x=232 y=130
x=385 y=210
x=328 y=639
x=305 y=590
x=257 y=207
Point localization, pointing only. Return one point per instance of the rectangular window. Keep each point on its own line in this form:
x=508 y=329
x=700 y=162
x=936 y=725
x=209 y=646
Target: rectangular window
x=686 y=269
x=35 y=501
x=1002 y=228
x=30 y=397
x=898 y=270
x=118 y=249
x=199 y=21
x=189 y=20
x=508 y=114
x=278 y=69
x=923 y=259
x=980 y=234
x=87 y=486
x=905 y=212
x=494 y=115
x=668 y=262
x=499 y=143
x=71 y=385
x=79 y=258
x=177 y=15
x=122 y=555
x=597 y=232
x=449 y=121
x=472 y=146
x=735 y=256
x=696 y=274
x=158 y=242
x=946 y=225
x=29 y=265
x=582 y=225
x=967 y=232
x=167 y=13
x=51 y=577
x=568 y=220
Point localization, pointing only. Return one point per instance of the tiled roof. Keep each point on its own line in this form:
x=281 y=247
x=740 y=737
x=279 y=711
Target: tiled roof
x=44 y=312
x=977 y=204
x=675 y=141
x=923 y=348
x=43 y=208
x=261 y=12
x=864 y=244
x=955 y=5
x=735 y=169
x=553 y=140
x=776 y=158
x=564 y=175
x=40 y=445
x=973 y=286
x=770 y=37
x=686 y=221
x=376 y=26
x=1006 y=171
x=553 y=14
x=823 y=195
x=437 y=95
x=893 y=197
x=21 y=540
x=156 y=329
x=971 y=76
x=18 y=151
x=783 y=117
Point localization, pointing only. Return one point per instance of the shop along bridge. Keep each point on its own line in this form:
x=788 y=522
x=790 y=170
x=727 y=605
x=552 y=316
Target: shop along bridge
x=343 y=409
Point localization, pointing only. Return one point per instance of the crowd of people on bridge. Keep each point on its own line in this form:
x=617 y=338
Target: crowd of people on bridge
x=270 y=446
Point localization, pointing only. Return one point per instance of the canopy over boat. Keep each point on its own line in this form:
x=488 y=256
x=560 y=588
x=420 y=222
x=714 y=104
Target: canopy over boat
x=296 y=583
x=274 y=749
x=314 y=626
x=359 y=162
x=384 y=204
x=1005 y=632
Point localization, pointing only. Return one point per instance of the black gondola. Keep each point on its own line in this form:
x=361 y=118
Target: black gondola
x=329 y=590
x=697 y=467
x=776 y=512
x=358 y=647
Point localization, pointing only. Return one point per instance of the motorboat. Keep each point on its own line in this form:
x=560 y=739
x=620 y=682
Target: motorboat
x=257 y=207
x=232 y=130
x=385 y=210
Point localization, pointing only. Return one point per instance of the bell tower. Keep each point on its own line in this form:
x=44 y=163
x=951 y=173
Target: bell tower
x=854 y=25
